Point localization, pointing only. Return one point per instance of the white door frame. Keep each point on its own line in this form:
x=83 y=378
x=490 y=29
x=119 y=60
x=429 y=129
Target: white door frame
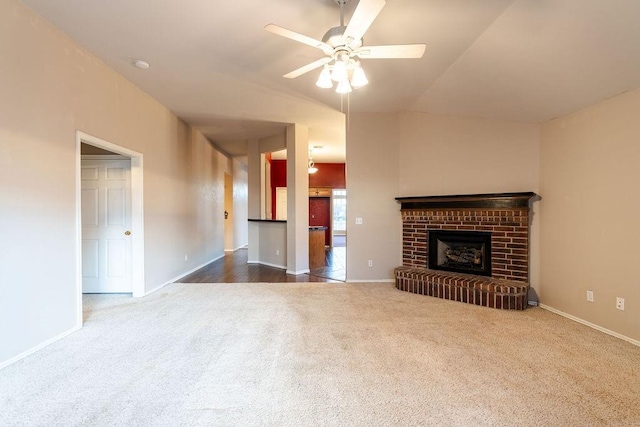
x=137 y=218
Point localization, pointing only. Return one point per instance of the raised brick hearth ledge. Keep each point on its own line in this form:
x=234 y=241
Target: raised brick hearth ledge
x=485 y=291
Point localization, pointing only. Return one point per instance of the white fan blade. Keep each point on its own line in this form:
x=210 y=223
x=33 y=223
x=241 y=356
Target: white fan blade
x=309 y=67
x=299 y=37
x=392 y=51
x=362 y=18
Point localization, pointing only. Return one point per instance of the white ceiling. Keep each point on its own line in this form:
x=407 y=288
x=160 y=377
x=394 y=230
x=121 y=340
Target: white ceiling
x=214 y=65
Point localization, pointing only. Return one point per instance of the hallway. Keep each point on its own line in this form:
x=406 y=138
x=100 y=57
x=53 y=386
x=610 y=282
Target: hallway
x=233 y=268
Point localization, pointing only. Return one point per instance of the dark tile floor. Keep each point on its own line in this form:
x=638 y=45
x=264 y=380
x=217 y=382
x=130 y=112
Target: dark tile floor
x=233 y=268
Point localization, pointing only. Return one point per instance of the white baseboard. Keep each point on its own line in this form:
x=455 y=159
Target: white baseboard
x=38 y=347
x=175 y=279
x=297 y=273
x=589 y=324
x=371 y=281
x=268 y=264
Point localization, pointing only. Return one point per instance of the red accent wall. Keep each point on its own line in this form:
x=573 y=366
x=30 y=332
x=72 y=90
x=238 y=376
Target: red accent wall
x=320 y=214
x=329 y=175
x=278 y=179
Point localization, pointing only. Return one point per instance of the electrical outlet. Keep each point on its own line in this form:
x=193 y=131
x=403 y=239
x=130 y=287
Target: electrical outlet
x=186 y=257
x=370 y=263
x=358 y=221
x=277 y=251
x=620 y=303
x=590 y=296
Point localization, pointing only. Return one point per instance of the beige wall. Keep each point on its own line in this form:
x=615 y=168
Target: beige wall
x=240 y=204
x=420 y=154
x=443 y=155
x=372 y=183
x=589 y=183
x=49 y=89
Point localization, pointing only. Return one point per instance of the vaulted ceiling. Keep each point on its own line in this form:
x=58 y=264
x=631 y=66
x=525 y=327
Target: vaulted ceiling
x=214 y=65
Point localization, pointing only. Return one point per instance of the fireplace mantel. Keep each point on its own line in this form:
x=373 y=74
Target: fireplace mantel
x=468 y=201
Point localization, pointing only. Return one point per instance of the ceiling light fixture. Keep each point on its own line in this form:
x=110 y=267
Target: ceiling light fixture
x=312 y=167
x=143 y=65
x=324 y=80
x=347 y=72
x=358 y=79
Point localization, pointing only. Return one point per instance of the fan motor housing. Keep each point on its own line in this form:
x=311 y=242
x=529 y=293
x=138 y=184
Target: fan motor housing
x=334 y=38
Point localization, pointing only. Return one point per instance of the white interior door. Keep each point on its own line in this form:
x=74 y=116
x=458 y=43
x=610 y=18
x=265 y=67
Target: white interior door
x=106 y=226
x=281 y=203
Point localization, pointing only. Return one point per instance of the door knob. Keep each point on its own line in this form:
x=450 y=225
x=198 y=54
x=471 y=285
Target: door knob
x=127 y=233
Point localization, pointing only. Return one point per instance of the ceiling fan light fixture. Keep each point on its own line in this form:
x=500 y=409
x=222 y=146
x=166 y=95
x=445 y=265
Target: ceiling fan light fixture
x=343 y=44
x=324 y=80
x=339 y=71
x=344 y=86
x=358 y=79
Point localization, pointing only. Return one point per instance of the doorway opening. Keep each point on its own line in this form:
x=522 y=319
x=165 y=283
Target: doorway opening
x=228 y=213
x=137 y=221
x=328 y=209
x=339 y=218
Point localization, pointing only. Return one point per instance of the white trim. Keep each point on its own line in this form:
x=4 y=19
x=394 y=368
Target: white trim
x=268 y=264
x=38 y=347
x=371 y=281
x=175 y=279
x=78 y=248
x=589 y=324
x=137 y=213
x=236 y=249
x=137 y=225
x=104 y=157
x=297 y=273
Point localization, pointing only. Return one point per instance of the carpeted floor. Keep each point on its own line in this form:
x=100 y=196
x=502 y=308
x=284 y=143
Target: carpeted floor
x=321 y=354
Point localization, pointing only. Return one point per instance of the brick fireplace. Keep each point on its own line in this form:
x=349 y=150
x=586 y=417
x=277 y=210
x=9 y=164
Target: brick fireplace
x=503 y=217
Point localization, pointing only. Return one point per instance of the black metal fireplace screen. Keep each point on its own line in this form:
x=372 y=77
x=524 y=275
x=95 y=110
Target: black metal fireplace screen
x=460 y=251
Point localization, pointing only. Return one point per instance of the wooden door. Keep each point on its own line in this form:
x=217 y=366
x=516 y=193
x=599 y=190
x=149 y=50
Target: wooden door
x=106 y=225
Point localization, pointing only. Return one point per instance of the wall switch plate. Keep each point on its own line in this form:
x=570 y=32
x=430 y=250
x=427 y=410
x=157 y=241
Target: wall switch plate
x=370 y=263
x=590 y=296
x=358 y=221
x=620 y=303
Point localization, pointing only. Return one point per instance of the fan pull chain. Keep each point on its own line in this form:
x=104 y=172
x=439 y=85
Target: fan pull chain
x=348 y=110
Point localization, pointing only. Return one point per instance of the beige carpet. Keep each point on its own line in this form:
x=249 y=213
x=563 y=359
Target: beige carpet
x=321 y=354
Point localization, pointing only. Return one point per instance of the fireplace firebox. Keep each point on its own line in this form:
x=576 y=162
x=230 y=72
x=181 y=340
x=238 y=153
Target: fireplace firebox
x=460 y=251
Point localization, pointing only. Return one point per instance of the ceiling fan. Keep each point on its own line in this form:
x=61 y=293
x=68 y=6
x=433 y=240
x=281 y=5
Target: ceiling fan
x=343 y=47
